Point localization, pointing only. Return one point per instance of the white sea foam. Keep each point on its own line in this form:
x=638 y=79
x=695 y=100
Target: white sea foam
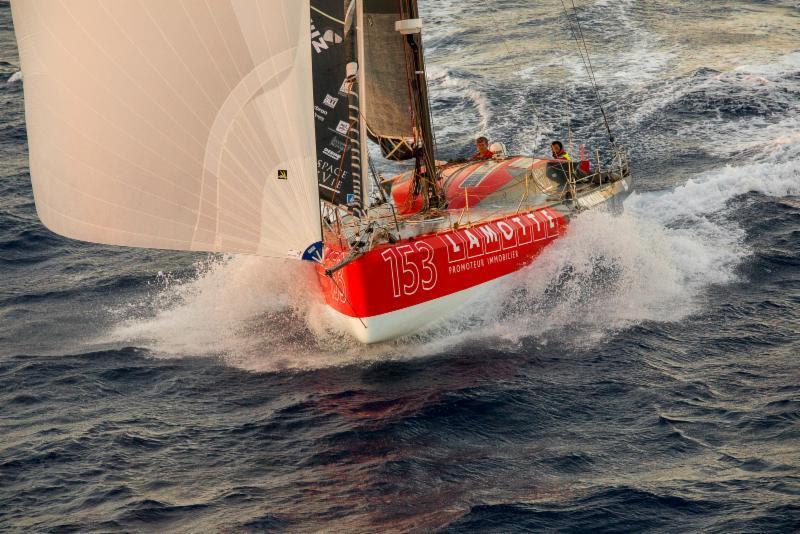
x=774 y=81
x=15 y=78
x=445 y=84
x=772 y=138
x=255 y=313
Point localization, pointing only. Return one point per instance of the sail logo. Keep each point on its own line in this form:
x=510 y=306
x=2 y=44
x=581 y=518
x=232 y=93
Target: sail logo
x=329 y=175
x=343 y=127
x=330 y=101
x=320 y=113
x=337 y=144
x=320 y=41
x=331 y=154
x=346 y=88
x=500 y=236
x=283 y=174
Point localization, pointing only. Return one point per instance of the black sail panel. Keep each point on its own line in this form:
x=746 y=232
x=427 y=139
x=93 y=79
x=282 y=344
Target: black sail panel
x=333 y=47
x=389 y=110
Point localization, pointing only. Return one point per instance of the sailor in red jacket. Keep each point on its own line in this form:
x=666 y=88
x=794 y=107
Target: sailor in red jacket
x=483 y=152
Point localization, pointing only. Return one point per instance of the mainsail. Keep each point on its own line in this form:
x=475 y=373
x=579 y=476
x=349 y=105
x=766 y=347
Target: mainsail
x=391 y=78
x=390 y=117
x=398 y=108
x=172 y=124
x=334 y=61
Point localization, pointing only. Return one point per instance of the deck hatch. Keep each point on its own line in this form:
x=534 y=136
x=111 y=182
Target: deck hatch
x=477 y=176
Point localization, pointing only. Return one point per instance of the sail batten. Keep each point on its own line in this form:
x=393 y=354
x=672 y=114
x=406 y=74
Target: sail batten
x=181 y=125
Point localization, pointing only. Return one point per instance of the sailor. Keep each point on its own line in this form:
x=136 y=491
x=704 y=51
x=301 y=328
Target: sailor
x=483 y=153
x=558 y=151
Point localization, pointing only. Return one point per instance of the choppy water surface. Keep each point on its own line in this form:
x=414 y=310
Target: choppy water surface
x=642 y=375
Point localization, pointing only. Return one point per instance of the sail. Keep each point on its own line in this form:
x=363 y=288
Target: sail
x=172 y=124
x=336 y=101
x=389 y=106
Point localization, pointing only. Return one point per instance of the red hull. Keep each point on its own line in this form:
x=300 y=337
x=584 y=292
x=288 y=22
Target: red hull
x=389 y=278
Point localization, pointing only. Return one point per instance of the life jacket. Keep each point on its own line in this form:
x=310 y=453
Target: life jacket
x=564 y=155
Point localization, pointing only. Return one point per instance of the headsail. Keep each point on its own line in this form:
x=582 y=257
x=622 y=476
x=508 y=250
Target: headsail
x=172 y=124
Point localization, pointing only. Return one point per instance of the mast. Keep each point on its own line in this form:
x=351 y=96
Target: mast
x=425 y=181
x=362 y=102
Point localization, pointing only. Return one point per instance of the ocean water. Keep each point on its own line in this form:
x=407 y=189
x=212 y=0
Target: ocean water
x=643 y=375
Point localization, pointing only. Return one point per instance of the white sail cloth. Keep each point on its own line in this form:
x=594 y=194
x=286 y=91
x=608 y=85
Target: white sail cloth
x=179 y=124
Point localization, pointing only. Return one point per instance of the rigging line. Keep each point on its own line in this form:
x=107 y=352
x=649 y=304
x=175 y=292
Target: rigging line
x=585 y=47
x=579 y=49
x=334 y=19
x=536 y=128
x=420 y=99
x=567 y=111
x=587 y=61
x=582 y=50
x=372 y=170
x=583 y=57
x=586 y=66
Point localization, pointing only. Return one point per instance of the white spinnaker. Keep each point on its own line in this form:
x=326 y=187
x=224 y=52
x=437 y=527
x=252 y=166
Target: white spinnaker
x=166 y=123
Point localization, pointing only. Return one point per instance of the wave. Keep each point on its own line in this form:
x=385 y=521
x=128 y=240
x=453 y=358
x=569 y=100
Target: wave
x=15 y=78
x=746 y=91
x=453 y=88
x=616 y=508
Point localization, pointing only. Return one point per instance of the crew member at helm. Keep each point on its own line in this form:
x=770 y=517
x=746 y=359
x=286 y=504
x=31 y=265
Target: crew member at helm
x=483 y=153
x=558 y=151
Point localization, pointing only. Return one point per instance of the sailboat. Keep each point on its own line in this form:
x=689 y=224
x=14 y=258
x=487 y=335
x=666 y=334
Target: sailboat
x=241 y=126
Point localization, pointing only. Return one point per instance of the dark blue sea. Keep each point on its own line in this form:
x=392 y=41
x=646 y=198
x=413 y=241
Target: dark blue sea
x=643 y=375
